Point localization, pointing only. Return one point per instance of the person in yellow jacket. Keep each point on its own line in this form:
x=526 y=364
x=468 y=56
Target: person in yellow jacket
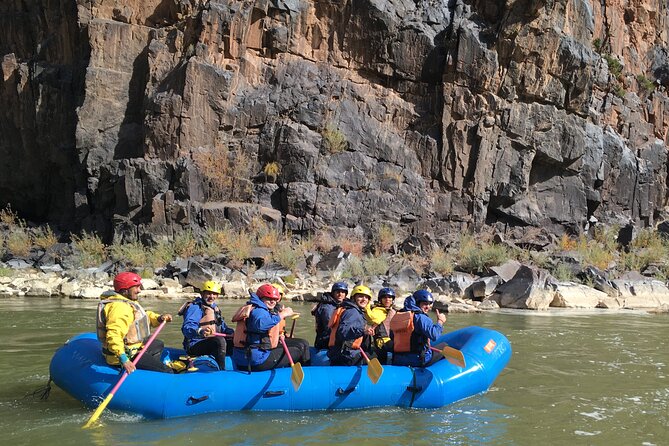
x=123 y=326
x=378 y=315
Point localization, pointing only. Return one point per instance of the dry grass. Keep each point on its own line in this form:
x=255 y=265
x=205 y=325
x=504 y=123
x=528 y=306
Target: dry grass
x=19 y=242
x=132 y=254
x=272 y=170
x=567 y=243
x=441 y=262
x=477 y=257
x=185 y=245
x=90 y=249
x=384 y=239
x=223 y=171
x=334 y=141
x=45 y=238
x=161 y=254
x=8 y=217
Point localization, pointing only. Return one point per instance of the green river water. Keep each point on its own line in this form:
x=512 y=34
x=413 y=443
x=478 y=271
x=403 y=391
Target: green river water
x=595 y=378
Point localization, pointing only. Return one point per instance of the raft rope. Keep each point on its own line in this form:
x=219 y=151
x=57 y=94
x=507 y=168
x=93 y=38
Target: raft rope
x=43 y=392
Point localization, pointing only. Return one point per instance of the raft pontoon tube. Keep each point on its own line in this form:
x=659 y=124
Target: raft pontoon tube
x=80 y=369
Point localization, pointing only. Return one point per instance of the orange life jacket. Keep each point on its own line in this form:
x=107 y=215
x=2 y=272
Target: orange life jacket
x=139 y=329
x=268 y=342
x=402 y=327
x=210 y=316
x=334 y=325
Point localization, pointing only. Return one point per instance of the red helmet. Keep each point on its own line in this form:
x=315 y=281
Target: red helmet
x=126 y=280
x=268 y=291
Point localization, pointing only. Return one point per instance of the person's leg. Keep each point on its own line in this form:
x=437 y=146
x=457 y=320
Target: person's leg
x=151 y=359
x=276 y=357
x=215 y=346
x=299 y=350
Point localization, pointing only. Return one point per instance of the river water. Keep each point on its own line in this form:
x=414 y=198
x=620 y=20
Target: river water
x=595 y=378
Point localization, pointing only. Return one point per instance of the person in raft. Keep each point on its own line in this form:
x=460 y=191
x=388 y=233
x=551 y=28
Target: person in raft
x=379 y=316
x=323 y=311
x=123 y=326
x=411 y=330
x=203 y=323
x=259 y=326
x=349 y=331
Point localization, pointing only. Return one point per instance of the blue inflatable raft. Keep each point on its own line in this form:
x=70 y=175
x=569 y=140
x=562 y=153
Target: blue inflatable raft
x=80 y=370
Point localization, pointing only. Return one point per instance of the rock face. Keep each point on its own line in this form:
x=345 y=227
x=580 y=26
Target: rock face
x=143 y=119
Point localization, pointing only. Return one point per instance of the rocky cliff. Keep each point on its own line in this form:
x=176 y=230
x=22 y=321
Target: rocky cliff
x=139 y=119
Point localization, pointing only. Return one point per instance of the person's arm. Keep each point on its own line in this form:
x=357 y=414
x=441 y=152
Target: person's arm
x=119 y=316
x=430 y=329
x=351 y=325
x=262 y=320
x=191 y=324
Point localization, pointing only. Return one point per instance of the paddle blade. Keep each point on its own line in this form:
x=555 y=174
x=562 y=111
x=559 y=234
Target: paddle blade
x=453 y=356
x=296 y=376
x=374 y=370
x=98 y=411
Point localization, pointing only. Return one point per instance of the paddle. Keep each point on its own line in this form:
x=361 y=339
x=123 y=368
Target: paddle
x=452 y=355
x=106 y=401
x=297 y=375
x=292 y=328
x=374 y=367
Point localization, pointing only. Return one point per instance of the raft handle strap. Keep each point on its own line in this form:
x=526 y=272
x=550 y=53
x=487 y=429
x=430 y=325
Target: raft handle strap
x=413 y=388
x=191 y=401
x=341 y=392
x=273 y=393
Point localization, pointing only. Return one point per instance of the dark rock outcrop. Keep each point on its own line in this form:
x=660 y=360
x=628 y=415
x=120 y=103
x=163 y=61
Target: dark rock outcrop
x=144 y=119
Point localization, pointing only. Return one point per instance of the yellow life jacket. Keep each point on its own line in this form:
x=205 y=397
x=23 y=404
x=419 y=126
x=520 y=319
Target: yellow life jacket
x=139 y=329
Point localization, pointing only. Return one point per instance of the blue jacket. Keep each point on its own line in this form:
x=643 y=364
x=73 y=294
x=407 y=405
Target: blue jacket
x=260 y=321
x=423 y=330
x=322 y=313
x=191 y=323
x=351 y=326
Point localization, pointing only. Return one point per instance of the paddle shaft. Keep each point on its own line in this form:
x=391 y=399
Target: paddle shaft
x=452 y=355
x=285 y=349
x=108 y=398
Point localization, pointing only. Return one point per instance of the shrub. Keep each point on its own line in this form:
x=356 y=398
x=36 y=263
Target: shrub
x=185 y=245
x=272 y=170
x=90 y=248
x=19 y=242
x=645 y=83
x=376 y=265
x=563 y=272
x=45 y=238
x=334 y=140
x=8 y=217
x=133 y=254
x=384 y=238
x=474 y=257
x=161 y=254
x=615 y=67
x=287 y=256
x=441 y=262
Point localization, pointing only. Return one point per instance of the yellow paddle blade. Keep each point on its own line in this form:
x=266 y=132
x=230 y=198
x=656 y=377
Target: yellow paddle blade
x=297 y=375
x=98 y=411
x=453 y=356
x=374 y=370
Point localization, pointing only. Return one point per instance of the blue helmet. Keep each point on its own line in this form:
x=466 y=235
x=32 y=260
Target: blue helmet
x=423 y=296
x=339 y=286
x=386 y=292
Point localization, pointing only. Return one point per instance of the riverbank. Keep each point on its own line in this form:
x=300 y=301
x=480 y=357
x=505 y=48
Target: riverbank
x=513 y=286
